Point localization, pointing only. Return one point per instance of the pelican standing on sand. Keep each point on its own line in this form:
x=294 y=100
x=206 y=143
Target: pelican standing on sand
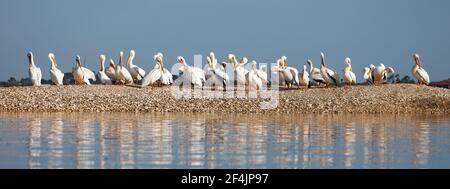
x=104 y=79
x=239 y=70
x=111 y=71
x=314 y=74
x=216 y=73
x=419 y=73
x=254 y=81
x=349 y=76
x=195 y=76
x=304 y=78
x=136 y=72
x=79 y=74
x=158 y=73
x=330 y=76
x=122 y=74
x=290 y=73
x=34 y=71
x=379 y=73
x=276 y=72
x=55 y=73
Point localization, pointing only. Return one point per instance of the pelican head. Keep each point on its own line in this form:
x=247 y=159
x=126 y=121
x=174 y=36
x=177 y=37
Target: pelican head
x=304 y=68
x=208 y=60
x=78 y=60
x=417 y=59
x=253 y=65
x=309 y=62
x=120 y=59
x=102 y=58
x=52 y=58
x=366 y=69
x=181 y=60
x=348 y=61
x=231 y=58
x=322 y=59
x=111 y=64
x=212 y=55
x=284 y=60
x=244 y=60
x=130 y=58
x=371 y=66
x=30 y=58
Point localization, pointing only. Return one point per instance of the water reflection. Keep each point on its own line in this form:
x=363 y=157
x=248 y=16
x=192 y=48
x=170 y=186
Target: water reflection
x=230 y=141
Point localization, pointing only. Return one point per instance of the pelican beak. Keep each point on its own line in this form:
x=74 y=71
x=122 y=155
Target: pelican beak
x=54 y=60
x=120 y=59
x=111 y=64
x=78 y=61
x=30 y=58
x=322 y=59
x=285 y=62
x=417 y=59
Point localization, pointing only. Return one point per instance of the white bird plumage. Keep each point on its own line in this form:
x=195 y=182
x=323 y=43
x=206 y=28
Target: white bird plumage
x=111 y=71
x=56 y=74
x=104 y=79
x=34 y=71
x=216 y=74
x=136 y=72
x=314 y=74
x=122 y=74
x=78 y=73
x=349 y=76
x=304 y=78
x=194 y=75
x=330 y=76
x=255 y=82
x=158 y=73
x=419 y=72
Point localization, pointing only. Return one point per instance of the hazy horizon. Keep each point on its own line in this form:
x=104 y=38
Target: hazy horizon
x=368 y=31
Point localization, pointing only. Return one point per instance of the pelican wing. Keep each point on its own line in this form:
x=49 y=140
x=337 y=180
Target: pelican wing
x=261 y=74
x=151 y=77
x=333 y=75
x=88 y=74
x=167 y=77
x=139 y=71
x=220 y=73
x=294 y=73
x=423 y=75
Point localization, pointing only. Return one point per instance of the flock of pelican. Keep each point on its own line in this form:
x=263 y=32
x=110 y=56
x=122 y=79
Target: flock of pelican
x=216 y=73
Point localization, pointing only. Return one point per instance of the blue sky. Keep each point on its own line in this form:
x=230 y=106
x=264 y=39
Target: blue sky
x=368 y=31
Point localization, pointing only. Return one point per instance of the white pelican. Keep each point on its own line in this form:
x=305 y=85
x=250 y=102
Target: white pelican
x=368 y=75
x=79 y=74
x=136 y=72
x=388 y=70
x=158 y=73
x=290 y=73
x=216 y=72
x=239 y=70
x=330 y=76
x=122 y=73
x=380 y=72
x=34 y=71
x=349 y=76
x=56 y=74
x=315 y=74
x=304 y=78
x=419 y=73
x=261 y=73
x=195 y=75
x=276 y=72
x=255 y=82
x=90 y=75
x=104 y=79
x=111 y=71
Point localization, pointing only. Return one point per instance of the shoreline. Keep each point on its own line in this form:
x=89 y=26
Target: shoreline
x=360 y=99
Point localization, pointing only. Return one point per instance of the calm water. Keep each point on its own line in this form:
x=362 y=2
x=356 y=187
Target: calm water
x=119 y=140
